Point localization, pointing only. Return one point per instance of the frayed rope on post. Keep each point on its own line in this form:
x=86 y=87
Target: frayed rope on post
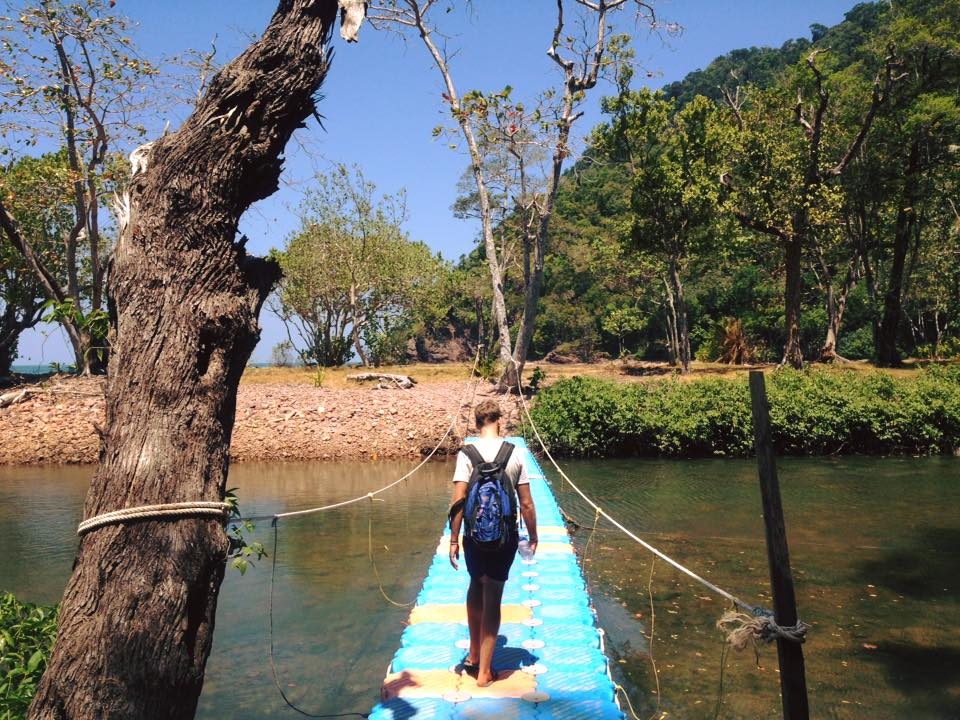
x=742 y=628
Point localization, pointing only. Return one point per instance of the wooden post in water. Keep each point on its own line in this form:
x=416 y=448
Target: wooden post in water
x=793 y=682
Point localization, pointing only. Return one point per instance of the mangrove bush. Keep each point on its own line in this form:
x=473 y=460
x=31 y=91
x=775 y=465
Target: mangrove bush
x=812 y=412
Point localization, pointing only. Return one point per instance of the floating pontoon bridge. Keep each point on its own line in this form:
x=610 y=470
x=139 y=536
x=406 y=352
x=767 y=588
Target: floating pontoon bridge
x=549 y=655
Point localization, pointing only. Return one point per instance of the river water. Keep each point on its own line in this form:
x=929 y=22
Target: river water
x=874 y=543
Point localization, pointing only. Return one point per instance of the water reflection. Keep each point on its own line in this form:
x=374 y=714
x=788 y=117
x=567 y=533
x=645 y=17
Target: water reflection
x=337 y=617
x=873 y=547
x=873 y=544
x=40 y=509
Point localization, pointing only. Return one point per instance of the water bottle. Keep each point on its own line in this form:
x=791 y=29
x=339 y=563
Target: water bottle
x=523 y=547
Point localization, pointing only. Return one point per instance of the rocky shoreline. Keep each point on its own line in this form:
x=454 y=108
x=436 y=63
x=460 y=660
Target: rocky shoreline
x=56 y=422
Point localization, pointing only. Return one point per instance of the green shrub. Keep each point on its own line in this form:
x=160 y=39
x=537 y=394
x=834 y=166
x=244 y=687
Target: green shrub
x=580 y=416
x=856 y=344
x=807 y=411
x=949 y=347
x=812 y=412
x=698 y=419
x=26 y=638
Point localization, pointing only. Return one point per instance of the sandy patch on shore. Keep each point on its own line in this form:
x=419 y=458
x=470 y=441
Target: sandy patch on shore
x=56 y=422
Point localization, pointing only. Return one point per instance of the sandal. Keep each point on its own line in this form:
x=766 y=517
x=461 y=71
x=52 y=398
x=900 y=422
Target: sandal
x=471 y=669
x=496 y=676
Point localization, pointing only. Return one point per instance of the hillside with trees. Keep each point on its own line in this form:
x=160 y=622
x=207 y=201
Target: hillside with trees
x=793 y=204
x=788 y=204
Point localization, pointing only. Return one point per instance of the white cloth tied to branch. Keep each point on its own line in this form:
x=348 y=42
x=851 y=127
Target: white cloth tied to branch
x=352 y=13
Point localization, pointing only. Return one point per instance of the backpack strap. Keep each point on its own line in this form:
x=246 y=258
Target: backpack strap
x=454 y=509
x=503 y=455
x=473 y=454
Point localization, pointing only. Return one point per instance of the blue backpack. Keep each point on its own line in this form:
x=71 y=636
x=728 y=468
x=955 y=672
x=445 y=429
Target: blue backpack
x=490 y=508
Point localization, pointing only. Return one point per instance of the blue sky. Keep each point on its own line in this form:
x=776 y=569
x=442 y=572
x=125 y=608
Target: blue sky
x=382 y=99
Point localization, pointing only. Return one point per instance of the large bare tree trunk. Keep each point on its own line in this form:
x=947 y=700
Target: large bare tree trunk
x=137 y=618
x=577 y=82
x=580 y=76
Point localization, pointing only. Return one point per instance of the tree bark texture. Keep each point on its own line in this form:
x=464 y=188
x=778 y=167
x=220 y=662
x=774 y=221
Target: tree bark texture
x=793 y=295
x=673 y=339
x=889 y=330
x=828 y=353
x=682 y=326
x=137 y=618
x=534 y=249
x=836 y=307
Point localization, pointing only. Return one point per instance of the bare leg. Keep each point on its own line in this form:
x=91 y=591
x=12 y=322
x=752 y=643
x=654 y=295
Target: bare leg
x=474 y=618
x=489 y=628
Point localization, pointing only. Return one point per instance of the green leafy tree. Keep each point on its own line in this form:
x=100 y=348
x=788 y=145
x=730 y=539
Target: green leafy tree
x=759 y=67
x=781 y=182
x=673 y=158
x=352 y=278
x=839 y=248
x=495 y=127
x=310 y=302
x=594 y=279
x=32 y=189
x=70 y=78
x=932 y=298
x=21 y=304
x=620 y=322
x=451 y=320
x=854 y=252
x=915 y=151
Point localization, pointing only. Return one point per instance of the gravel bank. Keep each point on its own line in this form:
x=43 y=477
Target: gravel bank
x=56 y=423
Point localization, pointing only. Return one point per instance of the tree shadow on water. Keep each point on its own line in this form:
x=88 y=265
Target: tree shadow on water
x=925 y=569
x=926 y=675
x=928 y=568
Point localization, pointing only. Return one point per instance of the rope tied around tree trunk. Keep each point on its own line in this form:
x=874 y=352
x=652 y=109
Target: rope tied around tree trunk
x=742 y=628
x=197 y=508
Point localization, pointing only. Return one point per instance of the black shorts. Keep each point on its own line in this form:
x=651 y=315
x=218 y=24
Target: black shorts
x=494 y=564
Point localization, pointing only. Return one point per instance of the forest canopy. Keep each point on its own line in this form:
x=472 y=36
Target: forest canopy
x=794 y=203
x=787 y=204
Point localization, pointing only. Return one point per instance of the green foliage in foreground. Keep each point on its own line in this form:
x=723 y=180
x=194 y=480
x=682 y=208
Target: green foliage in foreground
x=26 y=639
x=812 y=412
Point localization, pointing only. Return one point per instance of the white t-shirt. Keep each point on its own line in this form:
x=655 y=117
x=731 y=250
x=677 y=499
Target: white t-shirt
x=488 y=448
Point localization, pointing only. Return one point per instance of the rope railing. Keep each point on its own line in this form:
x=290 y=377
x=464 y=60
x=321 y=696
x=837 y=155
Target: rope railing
x=761 y=621
x=223 y=509
x=214 y=509
x=369 y=496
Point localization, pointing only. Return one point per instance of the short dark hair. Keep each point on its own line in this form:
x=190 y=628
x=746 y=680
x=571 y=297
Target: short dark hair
x=486 y=412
